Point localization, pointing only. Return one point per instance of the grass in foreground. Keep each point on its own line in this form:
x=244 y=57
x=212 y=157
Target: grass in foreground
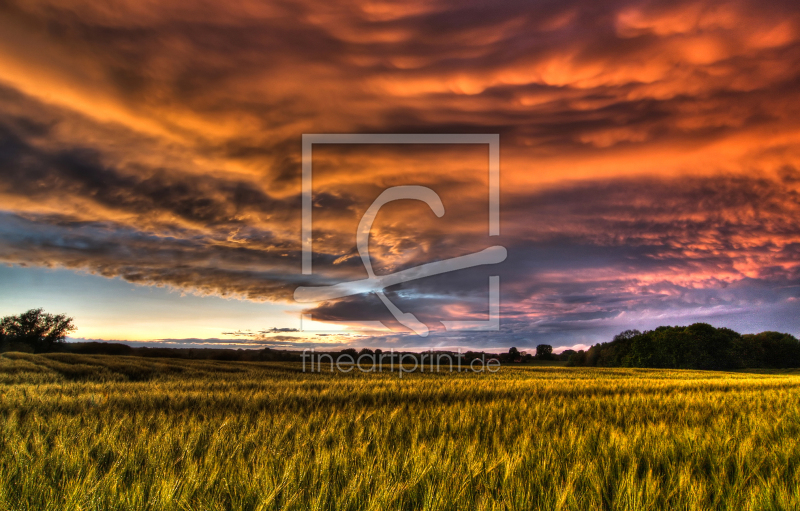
x=99 y=432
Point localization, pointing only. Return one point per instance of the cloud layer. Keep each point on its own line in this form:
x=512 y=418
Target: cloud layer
x=649 y=153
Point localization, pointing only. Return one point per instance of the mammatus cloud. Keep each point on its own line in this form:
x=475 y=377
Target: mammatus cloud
x=649 y=151
x=618 y=251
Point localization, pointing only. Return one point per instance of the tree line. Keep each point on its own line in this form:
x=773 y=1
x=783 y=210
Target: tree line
x=697 y=346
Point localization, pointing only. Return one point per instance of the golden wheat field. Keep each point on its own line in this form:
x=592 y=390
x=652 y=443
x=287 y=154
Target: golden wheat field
x=102 y=432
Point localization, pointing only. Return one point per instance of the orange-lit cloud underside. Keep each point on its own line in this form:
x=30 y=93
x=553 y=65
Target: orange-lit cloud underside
x=649 y=150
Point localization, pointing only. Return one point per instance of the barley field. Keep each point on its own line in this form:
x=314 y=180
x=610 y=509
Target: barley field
x=102 y=432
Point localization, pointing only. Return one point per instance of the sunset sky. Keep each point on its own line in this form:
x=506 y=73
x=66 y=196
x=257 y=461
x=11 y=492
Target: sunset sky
x=150 y=155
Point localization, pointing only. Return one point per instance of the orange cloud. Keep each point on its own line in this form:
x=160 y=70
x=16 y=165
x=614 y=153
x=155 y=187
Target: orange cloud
x=161 y=141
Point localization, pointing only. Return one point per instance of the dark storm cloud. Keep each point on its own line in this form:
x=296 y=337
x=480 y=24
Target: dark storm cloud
x=36 y=174
x=112 y=250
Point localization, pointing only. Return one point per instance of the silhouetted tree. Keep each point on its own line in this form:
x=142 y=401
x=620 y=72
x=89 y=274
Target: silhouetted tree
x=349 y=351
x=544 y=352
x=577 y=359
x=37 y=329
x=773 y=349
x=513 y=354
x=627 y=334
x=564 y=355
